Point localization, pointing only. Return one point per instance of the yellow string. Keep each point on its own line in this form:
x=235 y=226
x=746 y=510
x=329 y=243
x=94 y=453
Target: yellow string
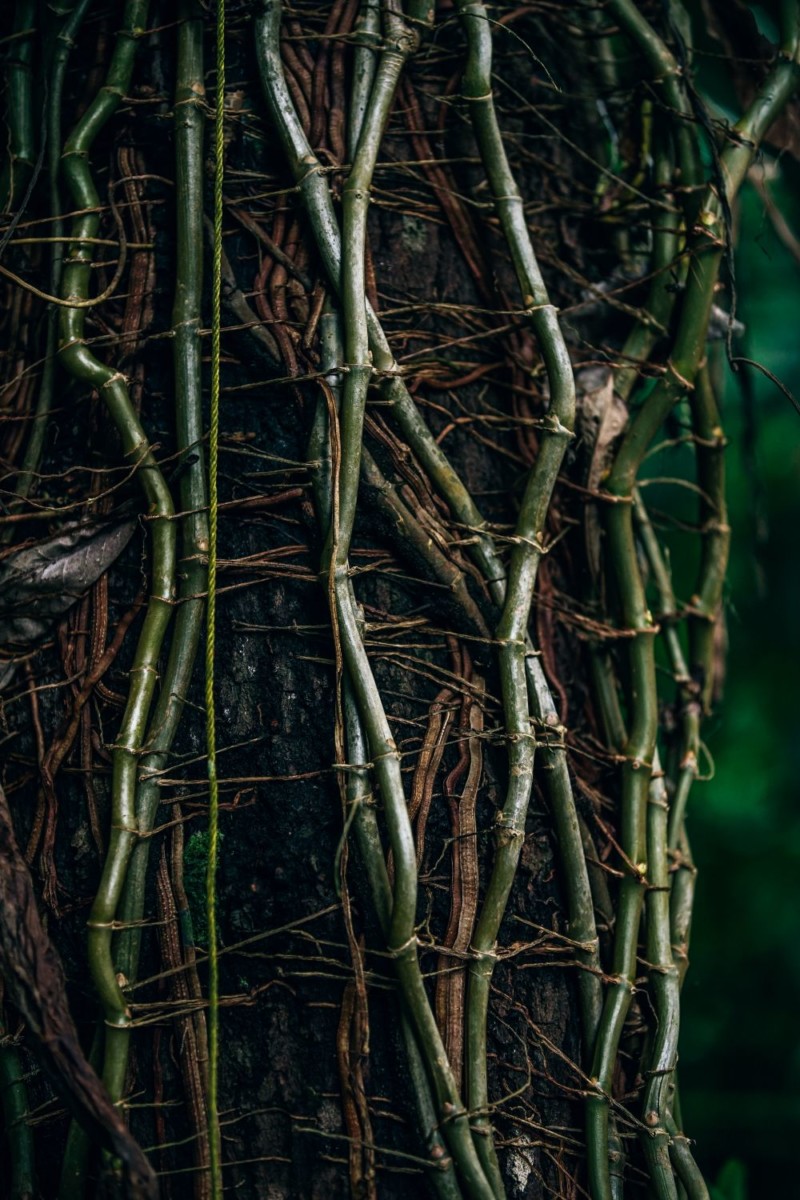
x=215 y=1147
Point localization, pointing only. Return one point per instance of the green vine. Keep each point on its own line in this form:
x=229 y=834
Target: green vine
x=625 y=870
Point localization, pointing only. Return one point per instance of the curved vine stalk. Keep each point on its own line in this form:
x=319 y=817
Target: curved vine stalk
x=65 y=40
x=696 y=304
x=20 y=159
x=399 y=41
x=513 y=645
x=192 y=569
x=441 y=1173
x=311 y=180
x=660 y=302
x=16 y=1119
x=570 y=835
x=637 y=754
x=316 y=194
x=706 y=248
x=367 y=44
x=212 y=1106
x=669 y=906
x=665 y=987
x=638 y=346
x=187 y=369
x=655 y=847
x=18 y=167
x=359 y=793
x=187 y=360
x=667 y=78
x=706 y=602
x=82 y=364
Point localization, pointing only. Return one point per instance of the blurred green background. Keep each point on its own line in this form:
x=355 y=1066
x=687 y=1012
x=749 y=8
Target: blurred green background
x=740 y=1044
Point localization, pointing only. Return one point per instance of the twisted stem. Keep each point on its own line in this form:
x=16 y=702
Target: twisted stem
x=83 y=365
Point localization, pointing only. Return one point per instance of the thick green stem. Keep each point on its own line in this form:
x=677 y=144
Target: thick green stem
x=580 y=904
x=78 y=1146
x=706 y=603
x=666 y=76
x=638 y=756
x=355 y=203
x=525 y=558
x=686 y=1169
x=441 y=1174
x=65 y=40
x=187 y=367
x=402 y=939
x=665 y=990
x=658 y=306
x=21 y=139
x=82 y=364
x=314 y=188
x=706 y=251
x=678 y=914
x=673 y=915
x=434 y=1087
x=606 y=1159
x=367 y=44
x=316 y=196
x=607 y=697
x=19 y=1132
x=687 y=689
x=607 y=1165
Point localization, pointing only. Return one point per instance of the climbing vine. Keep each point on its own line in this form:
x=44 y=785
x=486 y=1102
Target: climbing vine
x=469 y=268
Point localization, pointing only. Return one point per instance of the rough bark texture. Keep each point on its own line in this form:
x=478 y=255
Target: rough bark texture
x=316 y=1100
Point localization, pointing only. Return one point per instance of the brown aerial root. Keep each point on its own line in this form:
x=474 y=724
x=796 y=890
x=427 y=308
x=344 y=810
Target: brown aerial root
x=35 y=984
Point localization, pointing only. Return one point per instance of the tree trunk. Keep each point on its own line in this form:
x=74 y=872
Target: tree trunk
x=453 y=885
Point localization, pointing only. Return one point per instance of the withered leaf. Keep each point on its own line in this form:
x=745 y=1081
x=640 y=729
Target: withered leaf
x=603 y=418
x=40 y=582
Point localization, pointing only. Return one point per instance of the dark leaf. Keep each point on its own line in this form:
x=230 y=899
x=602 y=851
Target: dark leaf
x=41 y=582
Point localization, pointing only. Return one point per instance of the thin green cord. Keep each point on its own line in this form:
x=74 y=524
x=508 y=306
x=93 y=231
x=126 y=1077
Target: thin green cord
x=211 y=612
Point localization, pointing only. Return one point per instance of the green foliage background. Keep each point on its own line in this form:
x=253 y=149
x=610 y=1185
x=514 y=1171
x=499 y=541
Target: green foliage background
x=740 y=1049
